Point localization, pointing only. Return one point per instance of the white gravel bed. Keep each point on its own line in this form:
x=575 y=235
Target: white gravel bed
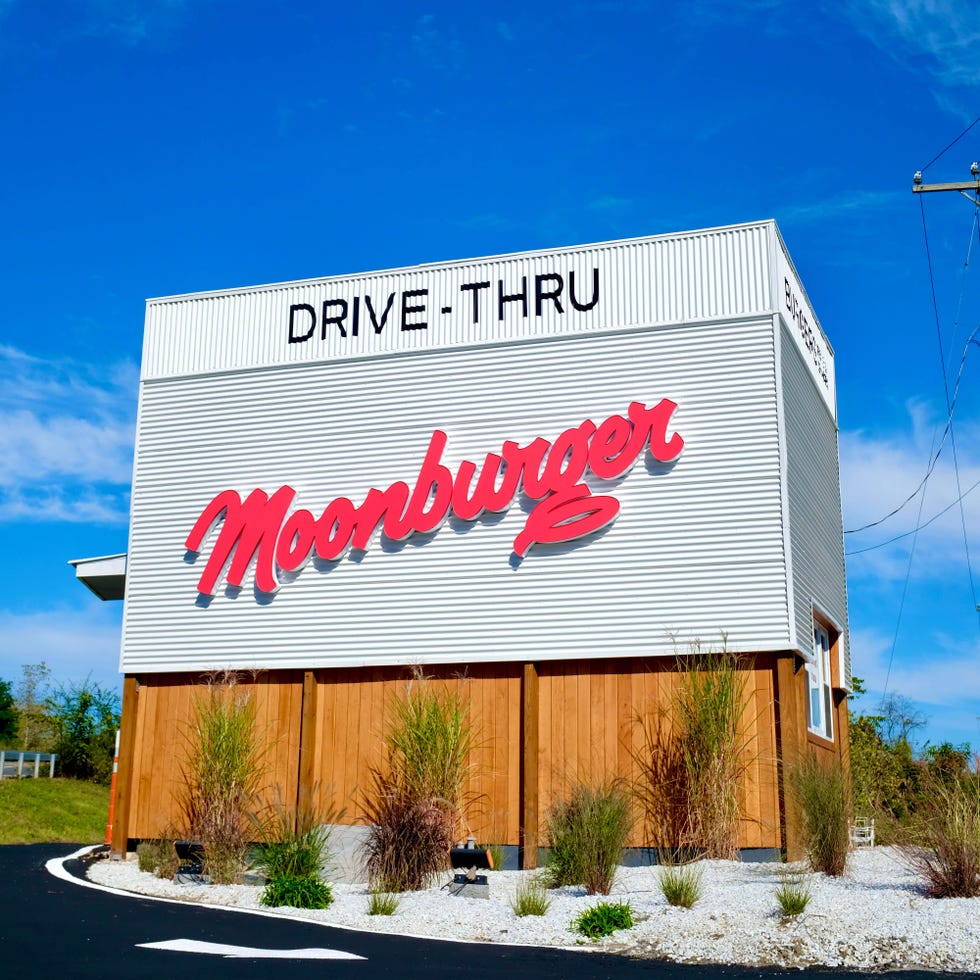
x=875 y=917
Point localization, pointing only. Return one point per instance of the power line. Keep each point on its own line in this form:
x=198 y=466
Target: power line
x=951 y=145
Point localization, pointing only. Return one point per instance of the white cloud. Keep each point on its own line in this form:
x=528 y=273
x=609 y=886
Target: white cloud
x=66 y=438
x=941 y=35
x=75 y=644
x=939 y=676
x=878 y=473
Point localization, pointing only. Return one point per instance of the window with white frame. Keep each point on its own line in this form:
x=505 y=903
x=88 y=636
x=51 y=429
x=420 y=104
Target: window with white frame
x=819 y=700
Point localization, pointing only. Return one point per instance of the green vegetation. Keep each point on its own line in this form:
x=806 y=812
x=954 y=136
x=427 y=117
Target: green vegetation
x=530 y=897
x=692 y=756
x=34 y=811
x=157 y=857
x=604 y=919
x=303 y=892
x=222 y=778
x=382 y=903
x=943 y=843
x=293 y=841
x=415 y=805
x=820 y=792
x=793 y=895
x=586 y=833
x=681 y=884
x=8 y=716
x=496 y=855
x=84 y=718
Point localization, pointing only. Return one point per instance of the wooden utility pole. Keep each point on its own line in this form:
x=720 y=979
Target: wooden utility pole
x=970 y=189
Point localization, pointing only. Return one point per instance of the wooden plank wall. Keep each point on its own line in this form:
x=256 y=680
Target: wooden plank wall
x=164 y=716
x=354 y=705
x=587 y=713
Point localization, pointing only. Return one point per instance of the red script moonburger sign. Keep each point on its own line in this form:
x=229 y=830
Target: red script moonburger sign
x=261 y=527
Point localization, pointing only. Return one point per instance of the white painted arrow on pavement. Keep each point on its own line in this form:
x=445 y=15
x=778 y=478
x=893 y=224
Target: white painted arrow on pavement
x=249 y=952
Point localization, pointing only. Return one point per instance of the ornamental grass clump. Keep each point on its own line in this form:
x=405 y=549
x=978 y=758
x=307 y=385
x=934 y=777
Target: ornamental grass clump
x=586 y=832
x=604 y=919
x=157 y=857
x=821 y=794
x=294 y=841
x=382 y=903
x=681 y=884
x=943 y=844
x=793 y=895
x=222 y=777
x=530 y=898
x=416 y=805
x=691 y=756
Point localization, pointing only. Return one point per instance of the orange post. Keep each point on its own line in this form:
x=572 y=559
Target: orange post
x=112 y=791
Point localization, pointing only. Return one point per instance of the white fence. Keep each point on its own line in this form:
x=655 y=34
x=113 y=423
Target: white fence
x=12 y=763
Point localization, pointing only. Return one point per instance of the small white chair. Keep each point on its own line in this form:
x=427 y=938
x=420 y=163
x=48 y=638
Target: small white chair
x=863 y=832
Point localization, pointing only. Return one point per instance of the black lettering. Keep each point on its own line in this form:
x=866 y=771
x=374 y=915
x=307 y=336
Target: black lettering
x=406 y=309
x=338 y=319
x=475 y=287
x=295 y=338
x=582 y=307
x=541 y=294
x=501 y=298
x=378 y=327
x=355 y=316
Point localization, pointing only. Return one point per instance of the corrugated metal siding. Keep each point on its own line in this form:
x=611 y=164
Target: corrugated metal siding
x=697 y=548
x=813 y=484
x=696 y=276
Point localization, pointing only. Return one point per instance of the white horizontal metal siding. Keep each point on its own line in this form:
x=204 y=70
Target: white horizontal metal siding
x=697 y=548
x=705 y=275
x=813 y=491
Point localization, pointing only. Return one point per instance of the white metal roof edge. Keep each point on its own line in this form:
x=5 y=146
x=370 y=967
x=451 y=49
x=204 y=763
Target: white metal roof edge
x=449 y=263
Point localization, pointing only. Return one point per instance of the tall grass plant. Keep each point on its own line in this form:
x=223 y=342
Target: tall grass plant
x=821 y=795
x=586 y=832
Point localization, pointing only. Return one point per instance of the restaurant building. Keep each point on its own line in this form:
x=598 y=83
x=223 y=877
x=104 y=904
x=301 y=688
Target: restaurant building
x=545 y=477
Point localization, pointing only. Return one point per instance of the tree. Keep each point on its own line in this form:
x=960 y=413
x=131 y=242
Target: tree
x=35 y=722
x=85 y=718
x=900 y=719
x=8 y=714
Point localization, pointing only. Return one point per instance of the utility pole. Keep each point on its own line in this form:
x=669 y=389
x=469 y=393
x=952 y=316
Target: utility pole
x=970 y=189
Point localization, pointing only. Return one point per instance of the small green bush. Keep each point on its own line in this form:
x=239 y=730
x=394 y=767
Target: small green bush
x=306 y=892
x=157 y=857
x=793 y=895
x=294 y=842
x=530 y=898
x=681 y=884
x=586 y=834
x=820 y=791
x=604 y=919
x=382 y=903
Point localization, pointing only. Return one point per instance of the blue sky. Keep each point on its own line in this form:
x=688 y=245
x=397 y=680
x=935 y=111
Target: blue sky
x=154 y=148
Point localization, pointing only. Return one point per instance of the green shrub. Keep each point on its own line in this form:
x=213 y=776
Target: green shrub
x=603 y=919
x=222 y=777
x=586 y=833
x=382 y=903
x=681 y=884
x=943 y=845
x=157 y=857
x=85 y=718
x=294 y=841
x=530 y=898
x=820 y=792
x=793 y=895
x=415 y=805
x=306 y=892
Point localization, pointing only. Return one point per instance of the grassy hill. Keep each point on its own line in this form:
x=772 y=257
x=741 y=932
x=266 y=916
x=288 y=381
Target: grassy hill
x=35 y=811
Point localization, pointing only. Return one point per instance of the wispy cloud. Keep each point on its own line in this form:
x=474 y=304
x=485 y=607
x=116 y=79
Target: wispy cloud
x=879 y=472
x=838 y=206
x=939 y=675
x=74 y=644
x=942 y=36
x=66 y=438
